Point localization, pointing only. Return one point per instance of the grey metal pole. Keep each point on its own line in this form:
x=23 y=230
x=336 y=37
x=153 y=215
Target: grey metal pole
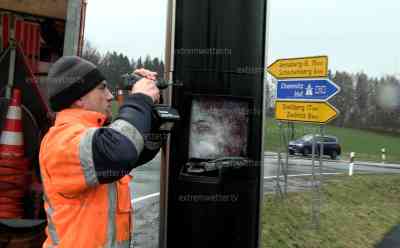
x=313 y=180
x=11 y=70
x=263 y=132
x=316 y=182
x=313 y=155
x=286 y=170
x=279 y=169
x=164 y=168
x=73 y=27
x=321 y=150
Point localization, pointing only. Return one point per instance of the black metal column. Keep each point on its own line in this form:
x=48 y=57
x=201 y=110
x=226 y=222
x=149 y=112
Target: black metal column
x=219 y=58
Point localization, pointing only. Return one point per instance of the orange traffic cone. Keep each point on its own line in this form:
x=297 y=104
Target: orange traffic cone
x=13 y=165
x=12 y=141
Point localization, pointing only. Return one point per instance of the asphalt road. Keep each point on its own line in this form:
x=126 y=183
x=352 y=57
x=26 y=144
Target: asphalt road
x=146 y=179
x=303 y=165
x=299 y=172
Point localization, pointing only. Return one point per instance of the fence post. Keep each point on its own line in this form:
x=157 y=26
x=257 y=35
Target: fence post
x=120 y=97
x=351 y=165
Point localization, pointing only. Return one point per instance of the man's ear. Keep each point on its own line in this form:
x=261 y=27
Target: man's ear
x=78 y=103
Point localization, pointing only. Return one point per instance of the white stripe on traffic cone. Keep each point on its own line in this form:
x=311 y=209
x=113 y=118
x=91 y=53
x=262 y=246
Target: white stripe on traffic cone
x=14 y=113
x=11 y=140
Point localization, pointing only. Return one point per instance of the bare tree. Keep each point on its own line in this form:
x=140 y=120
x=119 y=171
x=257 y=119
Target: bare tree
x=91 y=53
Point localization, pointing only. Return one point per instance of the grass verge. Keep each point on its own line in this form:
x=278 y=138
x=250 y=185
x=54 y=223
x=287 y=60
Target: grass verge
x=356 y=212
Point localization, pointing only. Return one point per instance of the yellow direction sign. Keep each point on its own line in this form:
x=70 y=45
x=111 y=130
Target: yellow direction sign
x=307 y=67
x=315 y=112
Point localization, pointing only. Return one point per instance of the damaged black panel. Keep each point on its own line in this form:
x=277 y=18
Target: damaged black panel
x=214 y=131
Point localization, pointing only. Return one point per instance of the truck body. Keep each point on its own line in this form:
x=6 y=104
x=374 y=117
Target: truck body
x=33 y=35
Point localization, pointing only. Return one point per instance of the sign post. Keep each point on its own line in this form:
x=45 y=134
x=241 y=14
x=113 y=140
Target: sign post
x=302 y=92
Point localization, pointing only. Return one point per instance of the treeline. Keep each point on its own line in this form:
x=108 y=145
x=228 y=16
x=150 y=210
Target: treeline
x=113 y=64
x=367 y=102
x=364 y=102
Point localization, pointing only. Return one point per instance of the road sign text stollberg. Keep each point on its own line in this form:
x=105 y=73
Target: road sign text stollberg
x=307 y=67
x=306 y=89
x=314 y=112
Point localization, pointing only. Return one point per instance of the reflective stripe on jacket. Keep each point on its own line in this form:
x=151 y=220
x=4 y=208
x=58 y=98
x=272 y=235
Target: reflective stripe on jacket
x=81 y=211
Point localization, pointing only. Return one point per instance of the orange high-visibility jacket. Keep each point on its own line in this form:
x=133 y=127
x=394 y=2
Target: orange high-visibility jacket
x=81 y=212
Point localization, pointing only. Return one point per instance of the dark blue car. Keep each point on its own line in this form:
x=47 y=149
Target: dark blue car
x=303 y=145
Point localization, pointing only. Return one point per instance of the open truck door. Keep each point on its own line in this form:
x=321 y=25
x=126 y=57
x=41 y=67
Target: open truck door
x=32 y=37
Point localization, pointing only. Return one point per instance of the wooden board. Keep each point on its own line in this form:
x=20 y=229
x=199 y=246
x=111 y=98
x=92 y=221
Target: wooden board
x=47 y=8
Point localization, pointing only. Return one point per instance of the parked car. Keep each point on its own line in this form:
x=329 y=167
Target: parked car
x=303 y=145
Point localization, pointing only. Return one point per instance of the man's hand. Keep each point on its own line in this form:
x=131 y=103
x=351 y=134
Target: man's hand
x=146 y=85
x=146 y=73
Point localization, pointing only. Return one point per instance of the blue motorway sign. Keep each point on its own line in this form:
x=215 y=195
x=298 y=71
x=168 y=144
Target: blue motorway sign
x=306 y=89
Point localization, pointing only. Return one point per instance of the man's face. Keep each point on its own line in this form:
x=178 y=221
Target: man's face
x=99 y=100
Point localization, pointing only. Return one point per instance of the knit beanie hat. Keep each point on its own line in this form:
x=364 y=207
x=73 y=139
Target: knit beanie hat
x=70 y=78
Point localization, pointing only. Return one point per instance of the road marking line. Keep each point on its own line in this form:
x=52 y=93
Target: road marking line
x=302 y=175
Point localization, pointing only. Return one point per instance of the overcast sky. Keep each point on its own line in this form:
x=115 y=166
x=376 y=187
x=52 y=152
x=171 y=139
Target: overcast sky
x=133 y=27
x=357 y=35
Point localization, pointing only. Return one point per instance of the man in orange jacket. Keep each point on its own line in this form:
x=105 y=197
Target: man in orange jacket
x=85 y=161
